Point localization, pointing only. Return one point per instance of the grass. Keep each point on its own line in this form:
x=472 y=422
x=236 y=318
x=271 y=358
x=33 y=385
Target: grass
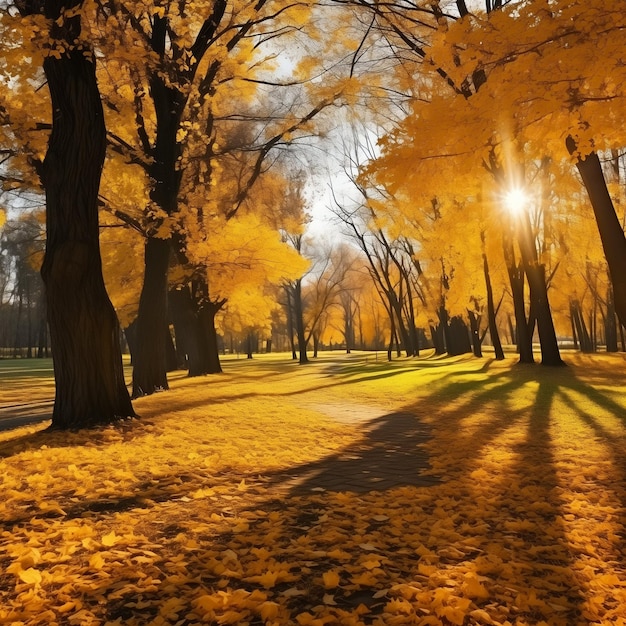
x=208 y=509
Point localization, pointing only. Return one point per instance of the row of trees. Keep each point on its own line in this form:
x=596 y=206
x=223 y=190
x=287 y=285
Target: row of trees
x=368 y=293
x=185 y=110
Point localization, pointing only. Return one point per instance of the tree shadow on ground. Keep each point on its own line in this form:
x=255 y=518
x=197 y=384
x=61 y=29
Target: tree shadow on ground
x=391 y=454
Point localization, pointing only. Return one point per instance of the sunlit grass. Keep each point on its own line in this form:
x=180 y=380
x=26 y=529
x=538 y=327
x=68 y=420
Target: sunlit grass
x=187 y=515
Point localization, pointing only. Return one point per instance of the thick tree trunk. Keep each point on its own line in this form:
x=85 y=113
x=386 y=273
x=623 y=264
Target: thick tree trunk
x=84 y=331
x=459 y=337
x=611 y=232
x=438 y=339
x=180 y=309
x=149 y=360
x=207 y=324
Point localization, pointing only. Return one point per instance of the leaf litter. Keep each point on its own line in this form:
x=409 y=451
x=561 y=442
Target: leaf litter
x=178 y=518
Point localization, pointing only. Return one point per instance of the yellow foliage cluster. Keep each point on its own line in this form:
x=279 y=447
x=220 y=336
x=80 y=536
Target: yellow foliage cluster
x=190 y=514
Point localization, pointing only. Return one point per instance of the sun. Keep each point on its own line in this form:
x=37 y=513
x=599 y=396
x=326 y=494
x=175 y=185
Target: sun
x=515 y=200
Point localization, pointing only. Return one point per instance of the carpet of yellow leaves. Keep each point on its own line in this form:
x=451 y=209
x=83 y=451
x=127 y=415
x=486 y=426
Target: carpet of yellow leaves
x=181 y=517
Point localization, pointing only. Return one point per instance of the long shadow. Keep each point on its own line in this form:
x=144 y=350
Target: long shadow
x=391 y=454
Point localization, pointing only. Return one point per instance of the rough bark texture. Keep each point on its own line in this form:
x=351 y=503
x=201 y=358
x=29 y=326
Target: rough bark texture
x=611 y=233
x=84 y=331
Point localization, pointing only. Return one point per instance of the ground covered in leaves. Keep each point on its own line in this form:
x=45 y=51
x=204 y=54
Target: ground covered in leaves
x=187 y=516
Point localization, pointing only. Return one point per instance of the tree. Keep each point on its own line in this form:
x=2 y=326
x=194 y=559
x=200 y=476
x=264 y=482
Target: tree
x=478 y=144
x=193 y=73
x=84 y=332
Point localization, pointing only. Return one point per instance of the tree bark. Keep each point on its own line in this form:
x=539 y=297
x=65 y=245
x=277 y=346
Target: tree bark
x=206 y=315
x=611 y=232
x=149 y=360
x=84 y=331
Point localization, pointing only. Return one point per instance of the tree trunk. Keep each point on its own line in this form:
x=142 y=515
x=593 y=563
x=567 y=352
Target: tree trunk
x=84 y=331
x=458 y=336
x=550 y=354
x=249 y=345
x=523 y=336
x=475 y=332
x=578 y=321
x=290 y=330
x=17 y=338
x=171 y=359
x=181 y=313
x=610 y=325
x=149 y=360
x=42 y=335
x=207 y=318
x=491 y=312
x=299 y=319
x=611 y=232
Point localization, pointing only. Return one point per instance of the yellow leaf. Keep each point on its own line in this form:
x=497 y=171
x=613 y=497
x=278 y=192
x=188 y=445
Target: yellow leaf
x=30 y=576
x=331 y=579
x=268 y=579
x=473 y=588
x=365 y=578
x=269 y=610
x=110 y=539
x=452 y=614
x=96 y=561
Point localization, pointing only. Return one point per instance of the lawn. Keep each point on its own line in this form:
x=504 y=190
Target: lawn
x=206 y=510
